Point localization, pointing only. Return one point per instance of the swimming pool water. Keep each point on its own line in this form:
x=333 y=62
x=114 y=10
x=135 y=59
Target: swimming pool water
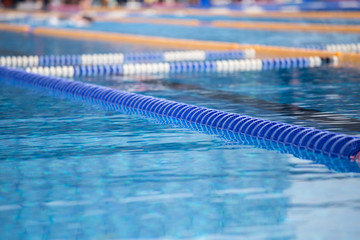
x=263 y=37
x=19 y=44
x=72 y=170
x=252 y=19
x=277 y=38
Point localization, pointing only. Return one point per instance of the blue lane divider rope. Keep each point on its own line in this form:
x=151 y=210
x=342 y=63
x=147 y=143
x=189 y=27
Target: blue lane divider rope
x=182 y=67
x=296 y=137
x=345 y=48
x=119 y=58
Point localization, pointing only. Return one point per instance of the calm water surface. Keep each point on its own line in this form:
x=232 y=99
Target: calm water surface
x=73 y=170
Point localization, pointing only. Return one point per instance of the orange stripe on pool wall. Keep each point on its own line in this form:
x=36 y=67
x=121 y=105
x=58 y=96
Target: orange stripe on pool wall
x=14 y=28
x=305 y=15
x=288 y=26
x=279 y=52
x=351 y=59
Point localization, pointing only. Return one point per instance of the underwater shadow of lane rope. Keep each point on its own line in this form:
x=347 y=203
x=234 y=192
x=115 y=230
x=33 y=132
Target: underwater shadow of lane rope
x=320 y=146
x=332 y=163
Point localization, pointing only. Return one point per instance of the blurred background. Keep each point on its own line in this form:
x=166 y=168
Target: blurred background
x=246 y=5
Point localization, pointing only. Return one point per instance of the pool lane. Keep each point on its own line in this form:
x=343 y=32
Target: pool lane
x=269 y=94
x=19 y=44
x=208 y=33
x=228 y=31
x=271 y=26
x=341 y=122
x=238 y=128
x=251 y=19
x=309 y=90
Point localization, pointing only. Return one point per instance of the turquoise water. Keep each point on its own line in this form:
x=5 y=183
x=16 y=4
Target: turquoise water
x=16 y=44
x=73 y=170
x=254 y=19
x=277 y=38
x=205 y=32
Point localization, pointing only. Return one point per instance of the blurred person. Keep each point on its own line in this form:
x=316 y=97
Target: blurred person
x=149 y=2
x=82 y=19
x=84 y=4
x=77 y=20
x=121 y=2
x=7 y=3
x=15 y=3
x=45 y=6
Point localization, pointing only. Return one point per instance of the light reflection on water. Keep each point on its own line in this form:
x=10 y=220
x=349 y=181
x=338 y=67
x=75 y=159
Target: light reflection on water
x=72 y=170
